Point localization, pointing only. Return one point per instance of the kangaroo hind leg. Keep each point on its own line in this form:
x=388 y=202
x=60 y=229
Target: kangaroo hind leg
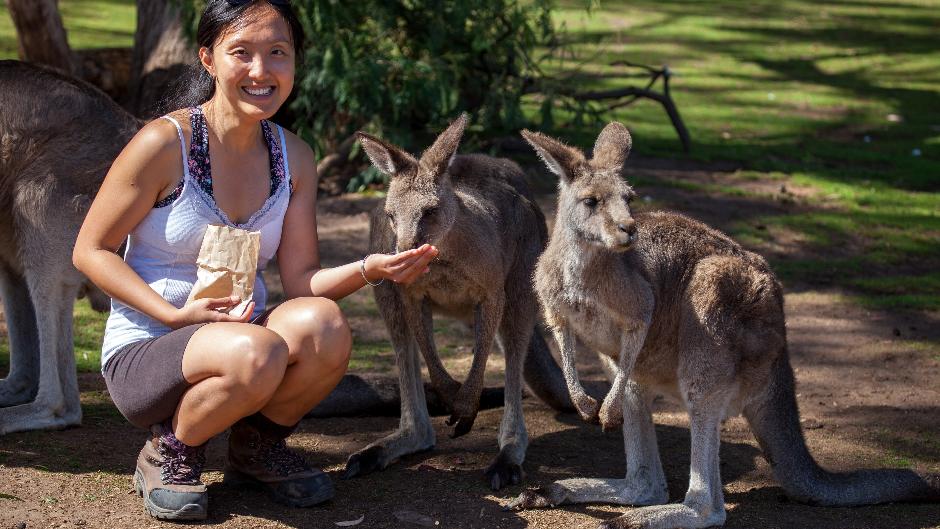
x=515 y=333
x=415 y=432
x=22 y=381
x=644 y=484
x=704 y=504
x=56 y=404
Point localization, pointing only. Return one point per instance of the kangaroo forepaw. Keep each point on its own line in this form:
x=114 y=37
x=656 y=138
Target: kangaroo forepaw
x=502 y=473
x=587 y=407
x=465 y=411
x=611 y=417
x=530 y=499
x=461 y=424
x=365 y=461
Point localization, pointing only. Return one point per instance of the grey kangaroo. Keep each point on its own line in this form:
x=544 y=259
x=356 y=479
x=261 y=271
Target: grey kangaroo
x=478 y=211
x=686 y=312
x=58 y=136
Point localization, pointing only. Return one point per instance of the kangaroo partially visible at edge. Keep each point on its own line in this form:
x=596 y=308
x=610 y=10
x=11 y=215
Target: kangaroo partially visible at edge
x=58 y=136
x=686 y=312
x=478 y=212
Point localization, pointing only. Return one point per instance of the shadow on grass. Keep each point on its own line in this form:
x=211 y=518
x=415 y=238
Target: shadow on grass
x=789 y=45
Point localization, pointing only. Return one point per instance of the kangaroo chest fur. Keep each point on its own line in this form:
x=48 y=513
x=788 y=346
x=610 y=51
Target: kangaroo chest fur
x=597 y=308
x=449 y=289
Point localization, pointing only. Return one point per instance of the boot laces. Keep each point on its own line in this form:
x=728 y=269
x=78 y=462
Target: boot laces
x=280 y=459
x=181 y=464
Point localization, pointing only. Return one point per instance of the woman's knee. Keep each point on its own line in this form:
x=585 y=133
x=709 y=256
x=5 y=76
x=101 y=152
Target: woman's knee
x=319 y=325
x=258 y=361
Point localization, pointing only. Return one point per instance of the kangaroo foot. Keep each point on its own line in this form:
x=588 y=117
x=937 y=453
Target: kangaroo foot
x=365 y=461
x=673 y=516
x=12 y=394
x=502 y=472
x=36 y=415
x=390 y=448
x=540 y=498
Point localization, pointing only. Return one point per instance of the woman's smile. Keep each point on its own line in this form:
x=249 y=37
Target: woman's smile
x=259 y=91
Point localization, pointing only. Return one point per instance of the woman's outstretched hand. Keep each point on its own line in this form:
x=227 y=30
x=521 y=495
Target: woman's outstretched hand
x=403 y=267
x=209 y=310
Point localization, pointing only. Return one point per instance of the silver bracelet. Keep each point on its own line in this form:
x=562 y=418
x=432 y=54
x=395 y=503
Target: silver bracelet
x=362 y=270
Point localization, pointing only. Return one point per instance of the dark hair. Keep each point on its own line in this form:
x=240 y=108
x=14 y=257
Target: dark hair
x=197 y=86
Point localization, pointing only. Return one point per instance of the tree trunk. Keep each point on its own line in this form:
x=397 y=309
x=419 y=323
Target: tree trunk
x=161 y=55
x=40 y=33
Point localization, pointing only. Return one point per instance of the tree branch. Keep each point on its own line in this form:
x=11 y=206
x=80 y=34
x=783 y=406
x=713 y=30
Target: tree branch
x=335 y=159
x=630 y=93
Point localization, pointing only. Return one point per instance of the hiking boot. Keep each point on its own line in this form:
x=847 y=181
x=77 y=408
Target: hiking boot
x=167 y=477
x=258 y=455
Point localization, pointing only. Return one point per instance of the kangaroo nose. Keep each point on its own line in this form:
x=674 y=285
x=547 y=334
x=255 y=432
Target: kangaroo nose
x=628 y=227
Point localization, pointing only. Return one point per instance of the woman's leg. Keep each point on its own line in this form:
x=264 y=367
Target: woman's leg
x=319 y=344
x=234 y=369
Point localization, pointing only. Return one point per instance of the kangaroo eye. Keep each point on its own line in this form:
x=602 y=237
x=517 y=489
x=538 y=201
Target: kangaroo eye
x=589 y=202
x=391 y=218
x=430 y=212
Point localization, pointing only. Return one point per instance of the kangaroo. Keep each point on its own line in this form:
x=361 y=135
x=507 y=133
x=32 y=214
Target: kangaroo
x=686 y=312
x=479 y=213
x=58 y=136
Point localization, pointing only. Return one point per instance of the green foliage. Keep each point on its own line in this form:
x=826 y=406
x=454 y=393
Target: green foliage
x=404 y=69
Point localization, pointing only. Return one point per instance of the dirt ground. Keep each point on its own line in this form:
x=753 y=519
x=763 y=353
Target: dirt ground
x=868 y=389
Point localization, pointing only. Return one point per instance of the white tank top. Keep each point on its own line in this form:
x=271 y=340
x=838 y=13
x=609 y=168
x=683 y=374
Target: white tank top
x=162 y=249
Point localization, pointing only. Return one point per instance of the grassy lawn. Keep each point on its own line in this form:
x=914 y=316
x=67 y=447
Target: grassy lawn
x=87 y=333
x=843 y=99
x=88 y=24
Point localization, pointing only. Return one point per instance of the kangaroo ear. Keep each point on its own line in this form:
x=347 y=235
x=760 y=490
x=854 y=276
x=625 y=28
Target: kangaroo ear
x=560 y=158
x=612 y=147
x=384 y=156
x=438 y=157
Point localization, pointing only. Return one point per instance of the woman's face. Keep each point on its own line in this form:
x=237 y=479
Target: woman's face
x=253 y=63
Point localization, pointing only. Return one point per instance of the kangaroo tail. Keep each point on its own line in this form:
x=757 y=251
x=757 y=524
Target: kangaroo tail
x=774 y=419
x=379 y=396
x=543 y=376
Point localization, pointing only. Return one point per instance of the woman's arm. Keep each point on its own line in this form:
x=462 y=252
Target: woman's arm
x=141 y=174
x=298 y=254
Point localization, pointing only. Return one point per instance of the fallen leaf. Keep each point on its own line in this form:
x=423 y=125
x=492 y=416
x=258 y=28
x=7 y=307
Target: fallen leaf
x=350 y=523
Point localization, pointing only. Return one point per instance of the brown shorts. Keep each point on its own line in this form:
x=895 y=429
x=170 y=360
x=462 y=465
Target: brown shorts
x=145 y=378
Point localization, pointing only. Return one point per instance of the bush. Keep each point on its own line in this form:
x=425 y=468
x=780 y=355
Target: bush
x=403 y=69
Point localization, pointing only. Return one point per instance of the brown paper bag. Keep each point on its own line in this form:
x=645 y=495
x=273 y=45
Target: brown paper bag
x=226 y=266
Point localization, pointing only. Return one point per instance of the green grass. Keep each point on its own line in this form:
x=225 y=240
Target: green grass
x=88 y=24
x=832 y=97
x=88 y=329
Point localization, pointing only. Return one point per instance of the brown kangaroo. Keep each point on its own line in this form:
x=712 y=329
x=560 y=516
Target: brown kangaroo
x=478 y=211
x=686 y=312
